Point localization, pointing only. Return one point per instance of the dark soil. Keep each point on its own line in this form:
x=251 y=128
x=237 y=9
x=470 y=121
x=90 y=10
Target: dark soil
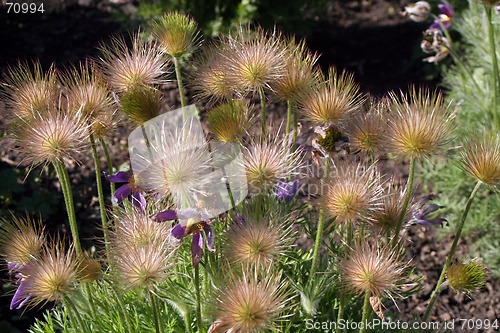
x=367 y=37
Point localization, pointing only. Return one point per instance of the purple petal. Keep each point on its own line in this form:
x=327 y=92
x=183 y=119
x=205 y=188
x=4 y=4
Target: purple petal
x=178 y=231
x=20 y=296
x=121 y=193
x=187 y=213
x=446 y=9
x=119 y=177
x=209 y=234
x=138 y=200
x=166 y=215
x=287 y=191
x=197 y=248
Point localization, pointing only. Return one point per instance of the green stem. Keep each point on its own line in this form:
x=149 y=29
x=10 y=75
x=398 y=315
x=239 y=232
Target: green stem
x=319 y=232
x=366 y=311
x=496 y=75
x=179 y=81
x=63 y=176
x=340 y=315
x=198 y=297
x=288 y=117
x=123 y=309
x=109 y=162
x=100 y=195
x=263 y=112
x=460 y=226
x=156 y=312
x=77 y=317
x=409 y=189
x=295 y=128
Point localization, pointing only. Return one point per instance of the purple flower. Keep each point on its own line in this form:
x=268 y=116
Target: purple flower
x=129 y=189
x=422 y=211
x=199 y=230
x=287 y=191
x=21 y=296
x=445 y=17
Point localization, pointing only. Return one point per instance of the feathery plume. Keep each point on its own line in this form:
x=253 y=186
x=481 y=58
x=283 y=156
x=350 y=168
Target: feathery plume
x=481 y=158
x=177 y=33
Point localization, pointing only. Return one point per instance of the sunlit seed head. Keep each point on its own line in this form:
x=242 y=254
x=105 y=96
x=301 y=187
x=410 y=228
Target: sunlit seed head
x=230 y=121
x=481 y=158
x=250 y=303
x=134 y=228
x=181 y=162
x=300 y=75
x=334 y=100
x=373 y=269
x=269 y=162
x=144 y=266
x=51 y=136
x=209 y=76
x=352 y=192
x=52 y=275
x=29 y=90
x=89 y=269
x=467 y=277
x=263 y=238
x=419 y=123
x=386 y=217
x=141 y=249
x=367 y=130
x=254 y=60
x=21 y=240
x=86 y=90
x=127 y=68
x=177 y=33
x=141 y=103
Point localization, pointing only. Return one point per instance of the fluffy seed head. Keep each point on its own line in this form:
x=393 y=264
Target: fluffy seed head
x=481 y=158
x=21 y=240
x=260 y=239
x=180 y=162
x=141 y=103
x=373 y=269
x=209 y=80
x=230 y=121
x=52 y=275
x=267 y=163
x=300 y=76
x=89 y=269
x=419 y=124
x=254 y=60
x=250 y=303
x=29 y=90
x=50 y=136
x=352 y=192
x=367 y=131
x=126 y=68
x=176 y=32
x=386 y=218
x=334 y=100
x=467 y=277
x=141 y=249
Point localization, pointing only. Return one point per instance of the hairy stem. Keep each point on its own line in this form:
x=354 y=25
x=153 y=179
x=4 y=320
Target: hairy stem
x=63 y=176
x=319 y=232
x=437 y=289
x=496 y=75
x=198 y=297
x=366 y=312
x=409 y=189
x=179 y=81
x=156 y=312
